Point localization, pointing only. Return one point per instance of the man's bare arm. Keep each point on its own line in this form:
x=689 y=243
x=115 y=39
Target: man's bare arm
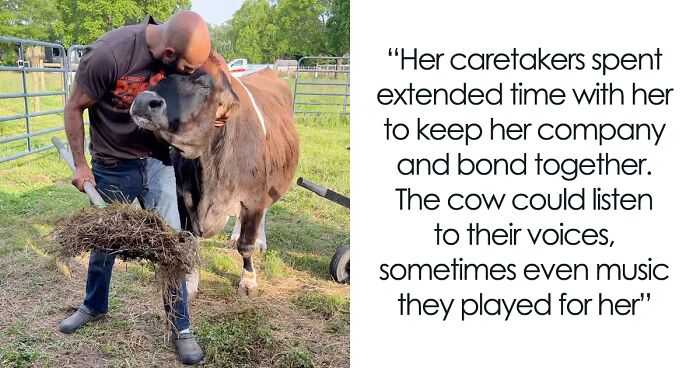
x=73 y=122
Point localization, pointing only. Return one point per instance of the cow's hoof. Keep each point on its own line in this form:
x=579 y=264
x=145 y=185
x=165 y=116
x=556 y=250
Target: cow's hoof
x=261 y=245
x=248 y=286
x=247 y=292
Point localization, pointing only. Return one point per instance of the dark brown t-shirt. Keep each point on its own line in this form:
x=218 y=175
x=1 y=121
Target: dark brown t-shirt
x=113 y=70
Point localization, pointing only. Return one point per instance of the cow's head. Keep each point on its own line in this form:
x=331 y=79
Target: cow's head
x=182 y=109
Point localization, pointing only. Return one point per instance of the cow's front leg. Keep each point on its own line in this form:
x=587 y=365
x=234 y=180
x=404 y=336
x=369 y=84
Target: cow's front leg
x=260 y=242
x=250 y=223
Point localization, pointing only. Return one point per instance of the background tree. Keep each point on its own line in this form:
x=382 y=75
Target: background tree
x=301 y=30
x=84 y=21
x=221 y=40
x=261 y=30
x=338 y=28
x=32 y=19
x=161 y=9
x=253 y=31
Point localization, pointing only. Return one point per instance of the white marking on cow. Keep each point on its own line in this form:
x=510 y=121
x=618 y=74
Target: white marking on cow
x=192 y=282
x=255 y=106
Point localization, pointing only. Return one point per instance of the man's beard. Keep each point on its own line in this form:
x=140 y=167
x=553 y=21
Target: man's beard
x=170 y=67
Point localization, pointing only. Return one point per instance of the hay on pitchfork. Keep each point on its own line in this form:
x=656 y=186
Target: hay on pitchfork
x=130 y=233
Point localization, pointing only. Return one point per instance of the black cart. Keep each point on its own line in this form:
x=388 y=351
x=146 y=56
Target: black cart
x=340 y=263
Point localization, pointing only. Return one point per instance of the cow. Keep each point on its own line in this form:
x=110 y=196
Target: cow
x=234 y=147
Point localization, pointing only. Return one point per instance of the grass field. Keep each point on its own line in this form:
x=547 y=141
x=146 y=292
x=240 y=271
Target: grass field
x=332 y=86
x=300 y=318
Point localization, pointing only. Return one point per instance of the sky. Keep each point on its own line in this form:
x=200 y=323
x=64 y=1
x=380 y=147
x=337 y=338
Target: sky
x=216 y=12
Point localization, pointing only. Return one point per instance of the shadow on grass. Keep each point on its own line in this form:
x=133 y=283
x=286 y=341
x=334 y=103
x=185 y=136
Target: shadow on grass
x=304 y=243
x=295 y=241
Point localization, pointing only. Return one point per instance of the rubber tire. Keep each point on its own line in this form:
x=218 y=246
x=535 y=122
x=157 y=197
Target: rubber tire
x=340 y=265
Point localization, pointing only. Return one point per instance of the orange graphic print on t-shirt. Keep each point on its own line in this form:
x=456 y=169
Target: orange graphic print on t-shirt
x=128 y=87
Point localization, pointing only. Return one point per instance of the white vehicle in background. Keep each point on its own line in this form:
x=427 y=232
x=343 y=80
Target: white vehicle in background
x=238 y=66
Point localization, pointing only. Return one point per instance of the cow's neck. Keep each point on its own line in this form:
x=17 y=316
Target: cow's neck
x=240 y=139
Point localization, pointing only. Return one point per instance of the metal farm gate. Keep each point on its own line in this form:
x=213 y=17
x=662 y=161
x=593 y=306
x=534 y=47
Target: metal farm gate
x=64 y=64
x=322 y=88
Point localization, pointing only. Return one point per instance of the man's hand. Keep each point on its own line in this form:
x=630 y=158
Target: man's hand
x=81 y=175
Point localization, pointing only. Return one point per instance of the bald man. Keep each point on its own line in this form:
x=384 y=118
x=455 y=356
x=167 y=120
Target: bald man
x=127 y=162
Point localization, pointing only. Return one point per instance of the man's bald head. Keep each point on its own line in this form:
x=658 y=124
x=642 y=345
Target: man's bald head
x=187 y=42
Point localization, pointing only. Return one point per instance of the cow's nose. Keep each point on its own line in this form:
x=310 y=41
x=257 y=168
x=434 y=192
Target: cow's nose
x=152 y=101
x=148 y=103
x=155 y=104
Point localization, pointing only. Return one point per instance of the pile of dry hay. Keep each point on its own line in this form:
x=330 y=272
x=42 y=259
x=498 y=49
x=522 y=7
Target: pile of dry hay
x=130 y=233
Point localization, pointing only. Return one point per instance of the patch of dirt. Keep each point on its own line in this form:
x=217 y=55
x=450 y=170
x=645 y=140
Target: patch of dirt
x=35 y=296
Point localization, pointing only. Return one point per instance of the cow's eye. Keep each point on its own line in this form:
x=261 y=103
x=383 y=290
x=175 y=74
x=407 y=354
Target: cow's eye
x=204 y=92
x=205 y=81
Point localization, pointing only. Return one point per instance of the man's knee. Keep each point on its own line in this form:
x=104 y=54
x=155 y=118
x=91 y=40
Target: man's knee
x=100 y=261
x=161 y=192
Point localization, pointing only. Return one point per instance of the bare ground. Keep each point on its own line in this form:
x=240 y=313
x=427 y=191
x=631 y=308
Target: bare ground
x=36 y=293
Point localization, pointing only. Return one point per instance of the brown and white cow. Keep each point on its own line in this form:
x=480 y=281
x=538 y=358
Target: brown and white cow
x=236 y=150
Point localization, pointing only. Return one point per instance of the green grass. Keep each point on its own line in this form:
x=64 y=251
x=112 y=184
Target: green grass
x=221 y=265
x=287 y=325
x=19 y=356
x=299 y=357
x=236 y=340
x=273 y=265
x=322 y=103
x=322 y=303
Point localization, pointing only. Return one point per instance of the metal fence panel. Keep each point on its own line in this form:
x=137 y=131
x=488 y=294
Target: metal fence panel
x=326 y=94
x=65 y=64
x=329 y=95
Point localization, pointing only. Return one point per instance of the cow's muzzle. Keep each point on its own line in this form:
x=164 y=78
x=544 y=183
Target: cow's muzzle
x=149 y=111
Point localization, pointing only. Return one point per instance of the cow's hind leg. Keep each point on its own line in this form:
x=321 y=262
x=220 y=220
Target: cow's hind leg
x=236 y=233
x=260 y=242
x=250 y=223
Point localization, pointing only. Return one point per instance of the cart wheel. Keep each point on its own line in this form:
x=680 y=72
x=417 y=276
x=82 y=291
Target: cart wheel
x=340 y=265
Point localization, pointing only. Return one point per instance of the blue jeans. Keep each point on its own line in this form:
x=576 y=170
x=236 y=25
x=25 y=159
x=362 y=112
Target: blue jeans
x=154 y=185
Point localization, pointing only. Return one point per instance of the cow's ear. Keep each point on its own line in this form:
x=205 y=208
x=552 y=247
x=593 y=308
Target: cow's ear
x=227 y=97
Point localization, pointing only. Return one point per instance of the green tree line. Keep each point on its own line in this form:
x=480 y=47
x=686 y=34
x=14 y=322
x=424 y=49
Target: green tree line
x=78 y=21
x=261 y=30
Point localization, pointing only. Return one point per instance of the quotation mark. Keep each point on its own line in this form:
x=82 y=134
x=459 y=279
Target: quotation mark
x=394 y=51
